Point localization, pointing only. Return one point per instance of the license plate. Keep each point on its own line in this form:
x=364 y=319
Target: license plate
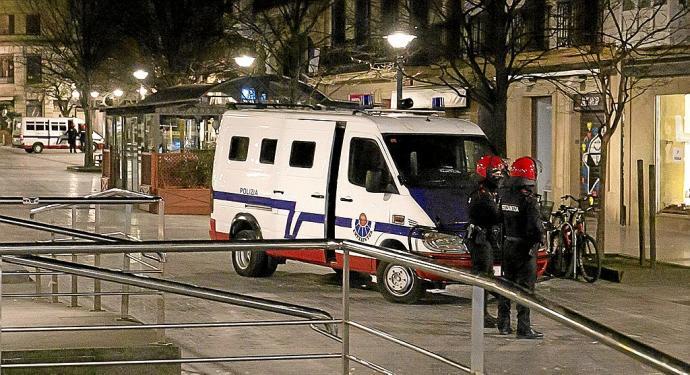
x=497 y=270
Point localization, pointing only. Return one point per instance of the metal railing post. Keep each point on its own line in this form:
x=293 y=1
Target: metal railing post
x=161 y=220
x=1 y=315
x=97 y=303
x=161 y=297
x=477 y=356
x=346 y=311
x=39 y=279
x=54 y=289
x=74 y=300
x=124 y=304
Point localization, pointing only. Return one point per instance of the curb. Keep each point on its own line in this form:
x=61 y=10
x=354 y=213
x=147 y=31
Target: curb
x=82 y=169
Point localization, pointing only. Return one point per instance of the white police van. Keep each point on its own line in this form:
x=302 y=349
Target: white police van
x=394 y=180
x=34 y=134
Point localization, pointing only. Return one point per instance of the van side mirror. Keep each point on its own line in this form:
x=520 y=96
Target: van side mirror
x=373 y=179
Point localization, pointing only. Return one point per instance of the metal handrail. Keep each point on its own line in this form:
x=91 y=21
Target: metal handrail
x=606 y=335
x=77 y=200
x=107 y=193
x=168 y=286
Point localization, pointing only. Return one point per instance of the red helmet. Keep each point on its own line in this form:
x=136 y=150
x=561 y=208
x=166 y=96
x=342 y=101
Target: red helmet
x=488 y=164
x=525 y=168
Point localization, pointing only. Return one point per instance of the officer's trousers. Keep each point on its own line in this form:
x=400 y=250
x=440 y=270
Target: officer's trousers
x=519 y=267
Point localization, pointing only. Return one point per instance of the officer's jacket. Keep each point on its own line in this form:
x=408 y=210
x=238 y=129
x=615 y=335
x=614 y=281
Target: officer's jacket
x=483 y=210
x=521 y=217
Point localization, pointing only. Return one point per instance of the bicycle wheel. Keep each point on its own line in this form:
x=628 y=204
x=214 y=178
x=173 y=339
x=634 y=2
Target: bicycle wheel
x=588 y=259
x=557 y=261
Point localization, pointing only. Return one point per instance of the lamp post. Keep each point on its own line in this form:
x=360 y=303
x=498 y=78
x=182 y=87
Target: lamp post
x=141 y=75
x=399 y=40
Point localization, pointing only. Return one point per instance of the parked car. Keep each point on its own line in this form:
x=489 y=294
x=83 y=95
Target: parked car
x=401 y=182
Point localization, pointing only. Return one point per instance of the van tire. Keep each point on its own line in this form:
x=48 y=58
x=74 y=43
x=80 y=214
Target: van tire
x=399 y=284
x=29 y=150
x=252 y=263
x=37 y=147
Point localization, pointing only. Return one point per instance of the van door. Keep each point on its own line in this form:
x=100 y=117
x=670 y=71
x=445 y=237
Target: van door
x=301 y=189
x=364 y=215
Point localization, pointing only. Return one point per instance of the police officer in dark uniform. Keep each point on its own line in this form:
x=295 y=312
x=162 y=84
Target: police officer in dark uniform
x=523 y=230
x=485 y=219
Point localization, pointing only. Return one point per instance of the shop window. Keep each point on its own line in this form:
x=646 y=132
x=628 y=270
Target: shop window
x=6 y=24
x=6 y=69
x=239 y=147
x=268 y=151
x=33 y=69
x=33 y=24
x=302 y=154
x=673 y=132
x=34 y=108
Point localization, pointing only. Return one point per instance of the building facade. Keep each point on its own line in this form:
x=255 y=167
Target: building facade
x=561 y=129
x=21 y=77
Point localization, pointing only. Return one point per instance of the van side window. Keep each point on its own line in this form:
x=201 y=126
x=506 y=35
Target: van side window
x=268 y=151
x=302 y=154
x=41 y=126
x=366 y=158
x=54 y=127
x=30 y=126
x=239 y=147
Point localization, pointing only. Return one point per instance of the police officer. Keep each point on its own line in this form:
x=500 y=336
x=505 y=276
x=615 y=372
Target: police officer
x=484 y=219
x=523 y=231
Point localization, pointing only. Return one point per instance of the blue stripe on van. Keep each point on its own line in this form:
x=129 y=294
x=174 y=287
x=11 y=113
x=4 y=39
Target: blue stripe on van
x=309 y=217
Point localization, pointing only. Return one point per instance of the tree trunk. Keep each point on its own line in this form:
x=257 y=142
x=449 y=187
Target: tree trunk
x=493 y=122
x=88 y=148
x=603 y=177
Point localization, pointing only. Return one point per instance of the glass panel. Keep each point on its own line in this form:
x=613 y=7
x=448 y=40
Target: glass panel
x=268 y=151
x=302 y=154
x=435 y=160
x=673 y=133
x=365 y=155
x=239 y=147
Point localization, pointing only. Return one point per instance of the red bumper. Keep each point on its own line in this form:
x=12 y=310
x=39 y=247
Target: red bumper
x=463 y=261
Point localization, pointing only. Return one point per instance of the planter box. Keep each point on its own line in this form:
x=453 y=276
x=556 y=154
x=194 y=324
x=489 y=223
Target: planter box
x=185 y=201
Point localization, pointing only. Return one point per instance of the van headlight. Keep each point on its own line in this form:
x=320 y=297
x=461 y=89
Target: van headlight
x=444 y=243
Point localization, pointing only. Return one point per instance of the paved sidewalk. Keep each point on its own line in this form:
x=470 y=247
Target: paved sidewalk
x=652 y=306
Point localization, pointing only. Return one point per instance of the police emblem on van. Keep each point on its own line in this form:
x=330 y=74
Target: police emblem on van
x=362 y=228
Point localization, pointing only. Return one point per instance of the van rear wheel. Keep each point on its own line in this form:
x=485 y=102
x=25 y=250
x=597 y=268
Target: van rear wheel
x=252 y=263
x=399 y=284
x=37 y=147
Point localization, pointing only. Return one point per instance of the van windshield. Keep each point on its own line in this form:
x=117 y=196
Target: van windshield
x=436 y=160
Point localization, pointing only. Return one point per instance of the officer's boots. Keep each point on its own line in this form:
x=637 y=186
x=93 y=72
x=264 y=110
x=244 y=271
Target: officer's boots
x=524 y=329
x=503 y=324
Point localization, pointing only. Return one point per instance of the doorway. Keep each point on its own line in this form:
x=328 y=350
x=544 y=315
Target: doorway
x=542 y=140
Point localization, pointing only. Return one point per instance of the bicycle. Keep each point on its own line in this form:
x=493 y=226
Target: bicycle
x=571 y=256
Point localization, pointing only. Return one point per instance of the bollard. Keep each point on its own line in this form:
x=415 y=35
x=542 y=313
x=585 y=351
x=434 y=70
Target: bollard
x=652 y=215
x=640 y=208
x=477 y=356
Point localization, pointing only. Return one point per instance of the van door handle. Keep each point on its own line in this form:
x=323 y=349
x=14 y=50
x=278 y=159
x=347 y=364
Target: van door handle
x=278 y=192
x=346 y=199
x=320 y=196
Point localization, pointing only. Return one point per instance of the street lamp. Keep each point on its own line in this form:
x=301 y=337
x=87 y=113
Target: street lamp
x=94 y=94
x=399 y=40
x=244 y=61
x=141 y=75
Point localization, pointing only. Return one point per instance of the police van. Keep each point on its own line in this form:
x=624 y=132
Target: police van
x=34 y=134
x=395 y=180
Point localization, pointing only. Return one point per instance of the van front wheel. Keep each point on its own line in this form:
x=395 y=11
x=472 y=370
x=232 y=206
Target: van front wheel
x=37 y=147
x=252 y=263
x=399 y=284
